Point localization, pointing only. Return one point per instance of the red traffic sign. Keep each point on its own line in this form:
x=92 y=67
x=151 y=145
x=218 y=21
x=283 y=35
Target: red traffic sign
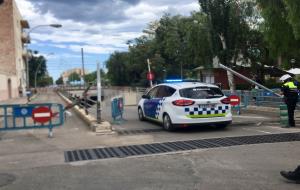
x=42 y=114
x=234 y=100
x=150 y=76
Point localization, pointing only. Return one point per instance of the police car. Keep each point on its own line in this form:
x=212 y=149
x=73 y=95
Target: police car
x=180 y=104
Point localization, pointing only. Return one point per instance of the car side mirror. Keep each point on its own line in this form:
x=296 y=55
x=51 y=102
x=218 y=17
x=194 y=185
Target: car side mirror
x=146 y=96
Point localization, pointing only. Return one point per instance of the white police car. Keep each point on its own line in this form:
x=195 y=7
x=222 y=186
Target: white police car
x=180 y=104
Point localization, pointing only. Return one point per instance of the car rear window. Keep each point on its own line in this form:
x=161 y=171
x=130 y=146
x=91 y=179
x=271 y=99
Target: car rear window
x=202 y=92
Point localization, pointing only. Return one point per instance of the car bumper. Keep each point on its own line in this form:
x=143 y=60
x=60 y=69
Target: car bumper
x=227 y=118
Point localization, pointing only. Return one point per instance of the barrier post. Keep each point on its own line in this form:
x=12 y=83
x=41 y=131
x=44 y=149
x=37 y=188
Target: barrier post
x=283 y=114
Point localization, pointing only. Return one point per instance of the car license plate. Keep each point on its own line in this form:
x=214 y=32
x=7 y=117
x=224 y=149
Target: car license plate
x=206 y=105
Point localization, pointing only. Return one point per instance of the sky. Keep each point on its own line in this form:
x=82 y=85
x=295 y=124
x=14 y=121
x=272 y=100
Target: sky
x=100 y=27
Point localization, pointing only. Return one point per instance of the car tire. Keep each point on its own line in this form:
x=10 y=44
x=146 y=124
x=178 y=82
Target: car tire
x=141 y=114
x=167 y=123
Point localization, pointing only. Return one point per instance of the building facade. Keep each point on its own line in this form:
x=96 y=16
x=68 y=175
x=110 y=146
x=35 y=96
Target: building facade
x=13 y=53
x=65 y=75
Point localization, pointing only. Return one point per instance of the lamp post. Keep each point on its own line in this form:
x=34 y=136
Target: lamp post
x=27 y=60
x=37 y=69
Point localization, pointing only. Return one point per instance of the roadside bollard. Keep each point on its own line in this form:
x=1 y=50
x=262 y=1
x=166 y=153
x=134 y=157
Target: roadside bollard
x=283 y=114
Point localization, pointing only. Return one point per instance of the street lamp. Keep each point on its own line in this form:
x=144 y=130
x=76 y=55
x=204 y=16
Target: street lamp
x=37 y=69
x=28 y=33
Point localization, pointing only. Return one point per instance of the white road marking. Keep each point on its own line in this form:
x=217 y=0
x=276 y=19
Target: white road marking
x=266 y=132
x=36 y=115
x=245 y=116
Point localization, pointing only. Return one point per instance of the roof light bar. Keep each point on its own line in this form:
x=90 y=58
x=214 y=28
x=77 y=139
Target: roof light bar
x=173 y=80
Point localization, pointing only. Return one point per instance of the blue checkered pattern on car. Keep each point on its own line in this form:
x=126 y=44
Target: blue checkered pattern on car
x=206 y=111
x=158 y=108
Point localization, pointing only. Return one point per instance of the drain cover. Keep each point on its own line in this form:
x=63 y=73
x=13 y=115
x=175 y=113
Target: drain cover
x=6 y=179
x=168 y=147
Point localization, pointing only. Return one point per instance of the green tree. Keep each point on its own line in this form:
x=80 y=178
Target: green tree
x=228 y=20
x=74 y=77
x=117 y=69
x=37 y=62
x=293 y=16
x=45 y=81
x=281 y=29
x=59 y=81
x=92 y=77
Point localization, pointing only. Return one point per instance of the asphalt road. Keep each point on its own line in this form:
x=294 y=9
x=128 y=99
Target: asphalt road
x=30 y=160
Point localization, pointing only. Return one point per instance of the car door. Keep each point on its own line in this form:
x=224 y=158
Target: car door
x=149 y=104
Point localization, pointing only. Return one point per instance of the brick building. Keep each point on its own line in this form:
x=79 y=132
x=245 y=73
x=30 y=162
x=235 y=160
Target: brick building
x=12 y=51
x=217 y=75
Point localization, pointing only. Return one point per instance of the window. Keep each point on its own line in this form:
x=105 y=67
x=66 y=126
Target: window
x=153 y=92
x=201 y=92
x=165 y=91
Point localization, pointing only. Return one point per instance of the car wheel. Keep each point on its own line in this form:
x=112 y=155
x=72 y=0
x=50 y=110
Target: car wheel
x=167 y=123
x=141 y=114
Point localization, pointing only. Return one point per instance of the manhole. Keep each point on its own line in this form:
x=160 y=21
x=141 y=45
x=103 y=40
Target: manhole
x=6 y=179
x=168 y=147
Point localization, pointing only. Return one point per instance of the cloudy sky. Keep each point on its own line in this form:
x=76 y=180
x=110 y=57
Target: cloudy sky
x=100 y=27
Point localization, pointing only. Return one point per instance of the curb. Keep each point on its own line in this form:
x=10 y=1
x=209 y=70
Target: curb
x=103 y=128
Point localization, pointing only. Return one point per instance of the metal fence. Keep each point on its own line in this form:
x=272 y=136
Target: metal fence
x=256 y=97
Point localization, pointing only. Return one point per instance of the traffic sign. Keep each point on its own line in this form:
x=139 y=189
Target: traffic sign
x=42 y=114
x=150 y=76
x=22 y=111
x=234 y=100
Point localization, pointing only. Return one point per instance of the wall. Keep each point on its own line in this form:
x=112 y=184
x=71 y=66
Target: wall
x=11 y=48
x=7 y=53
x=221 y=77
x=4 y=87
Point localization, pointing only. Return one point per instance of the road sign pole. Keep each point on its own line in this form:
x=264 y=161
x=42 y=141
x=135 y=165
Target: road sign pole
x=98 y=94
x=50 y=134
x=149 y=71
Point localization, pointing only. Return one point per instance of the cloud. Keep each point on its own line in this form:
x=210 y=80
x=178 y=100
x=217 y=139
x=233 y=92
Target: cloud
x=90 y=11
x=100 y=26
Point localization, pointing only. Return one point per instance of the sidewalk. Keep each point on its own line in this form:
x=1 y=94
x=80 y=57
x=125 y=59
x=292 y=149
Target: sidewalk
x=21 y=100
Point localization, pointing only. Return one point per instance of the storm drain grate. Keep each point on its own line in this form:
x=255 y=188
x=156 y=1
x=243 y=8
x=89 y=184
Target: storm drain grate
x=138 y=131
x=168 y=147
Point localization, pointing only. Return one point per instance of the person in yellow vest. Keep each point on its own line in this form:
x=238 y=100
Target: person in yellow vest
x=290 y=91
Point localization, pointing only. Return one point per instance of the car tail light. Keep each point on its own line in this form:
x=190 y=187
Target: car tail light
x=226 y=101
x=183 y=102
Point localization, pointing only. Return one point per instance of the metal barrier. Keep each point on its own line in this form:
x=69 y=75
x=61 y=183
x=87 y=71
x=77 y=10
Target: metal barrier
x=256 y=97
x=31 y=116
x=117 y=109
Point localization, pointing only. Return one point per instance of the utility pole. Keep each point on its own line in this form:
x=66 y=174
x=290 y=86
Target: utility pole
x=99 y=88
x=83 y=72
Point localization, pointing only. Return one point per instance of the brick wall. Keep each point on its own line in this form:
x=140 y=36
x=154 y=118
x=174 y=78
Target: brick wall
x=221 y=77
x=7 y=43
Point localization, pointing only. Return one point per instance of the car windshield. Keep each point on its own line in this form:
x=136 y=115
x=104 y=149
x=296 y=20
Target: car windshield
x=201 y=92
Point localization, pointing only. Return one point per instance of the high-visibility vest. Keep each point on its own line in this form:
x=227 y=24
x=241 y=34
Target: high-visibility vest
x=292 y=88
x=290 y=85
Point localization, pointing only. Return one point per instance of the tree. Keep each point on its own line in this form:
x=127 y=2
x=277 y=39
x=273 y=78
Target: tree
x=229 y=29
x=74 y=77
x=92 y=77
x=37 y=62
x=281 y=29
x=293 y=16
x=59 y=81
x=45 y=81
